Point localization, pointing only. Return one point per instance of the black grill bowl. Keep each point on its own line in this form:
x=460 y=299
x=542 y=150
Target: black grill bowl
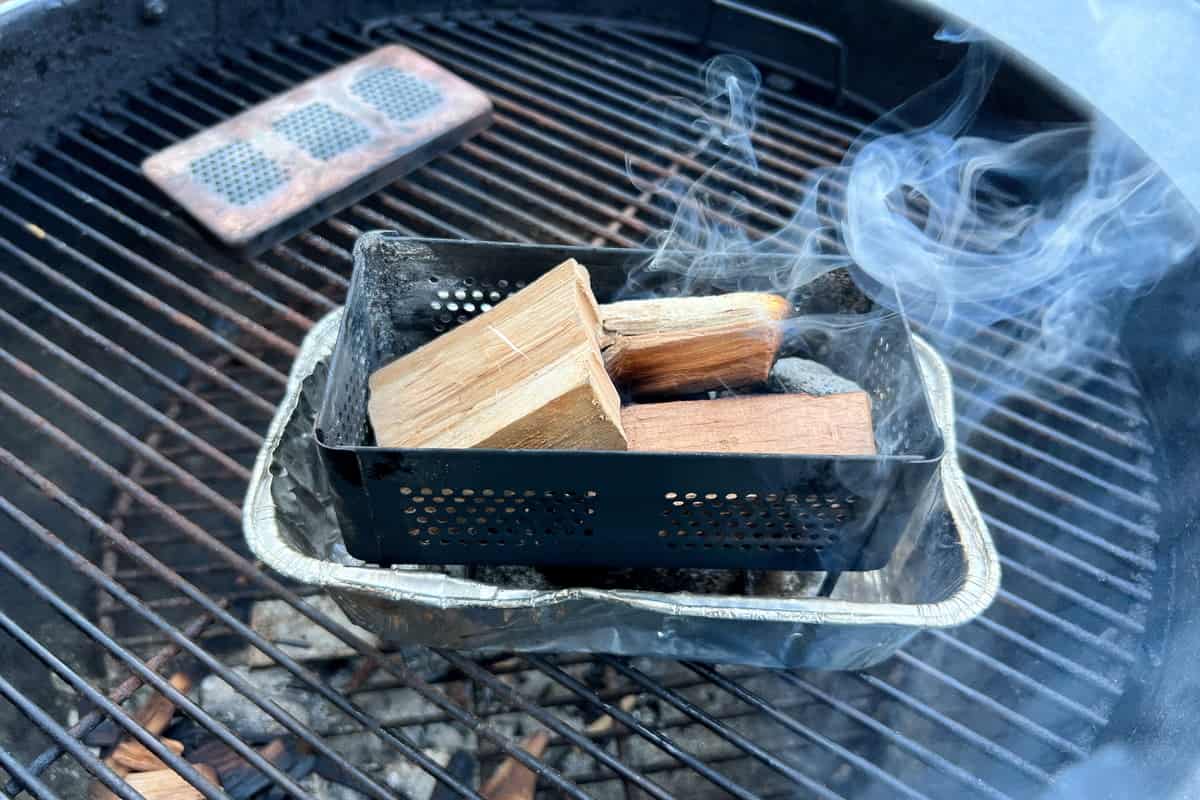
x=611 y=509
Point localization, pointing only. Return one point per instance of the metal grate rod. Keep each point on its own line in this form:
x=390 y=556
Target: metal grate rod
x=91 y=720
x=146 y=333
x=127 y=658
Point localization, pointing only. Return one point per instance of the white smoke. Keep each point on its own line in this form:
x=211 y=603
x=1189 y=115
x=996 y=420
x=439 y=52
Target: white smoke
x=957 y=229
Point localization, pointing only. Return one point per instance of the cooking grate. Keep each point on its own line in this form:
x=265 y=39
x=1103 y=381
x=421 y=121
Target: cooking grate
x=180 y=354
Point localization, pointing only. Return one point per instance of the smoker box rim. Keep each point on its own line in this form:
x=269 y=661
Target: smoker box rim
x=978 y=585
x=937 y=447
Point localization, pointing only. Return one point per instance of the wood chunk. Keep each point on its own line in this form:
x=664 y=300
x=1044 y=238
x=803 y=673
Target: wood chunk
x=678 y=345
x=527 y=374
x=135 y=756
x=834 y=425
x=158 y=711
x=166 y=784
x=512 y=780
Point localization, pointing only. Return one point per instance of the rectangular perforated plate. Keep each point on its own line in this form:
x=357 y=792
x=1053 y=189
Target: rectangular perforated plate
x=278 y=167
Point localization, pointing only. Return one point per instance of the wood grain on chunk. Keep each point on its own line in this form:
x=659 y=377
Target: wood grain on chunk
x=691 y=344
x=527 y=374
x=835 y=425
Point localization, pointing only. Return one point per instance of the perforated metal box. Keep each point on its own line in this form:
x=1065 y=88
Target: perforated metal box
x=619 y=509
x=278 y=167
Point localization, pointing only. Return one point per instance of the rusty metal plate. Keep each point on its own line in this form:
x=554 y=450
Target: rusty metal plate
x=282 y=165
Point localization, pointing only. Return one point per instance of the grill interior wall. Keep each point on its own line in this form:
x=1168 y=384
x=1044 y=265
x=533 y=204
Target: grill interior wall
x=141 y=365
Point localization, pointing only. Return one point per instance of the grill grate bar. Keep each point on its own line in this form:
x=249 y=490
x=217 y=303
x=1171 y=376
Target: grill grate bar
x=294 y=287
x=1017 y=720
x=127 y=658
x=165 y=277
x=775 y=712
x=628 y=720
x=1067 y=665
x=182 y=641
x=492 y=159
x=1087 y=537
x=45 y=723
x=25 y=778
x=696 y=713
x=1069 y=629
x=979 y=378
x=1128 y=588
x=919 y=751
x=1060 y=495
x=245 y=568
x=1077 y=598
x=483 y=677
x=579 y=73
x=805 y=114
x=231 y=467
x=132 y=324
x=90 y=721
x=1146 y=503
x=806 y=148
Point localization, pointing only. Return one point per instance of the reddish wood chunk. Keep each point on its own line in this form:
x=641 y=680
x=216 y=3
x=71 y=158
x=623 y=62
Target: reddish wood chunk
x=834 y=425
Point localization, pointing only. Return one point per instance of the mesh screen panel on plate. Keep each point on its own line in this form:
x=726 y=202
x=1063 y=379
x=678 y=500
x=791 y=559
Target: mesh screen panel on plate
x=399 y=95
x=321 y=131
x=239 y=173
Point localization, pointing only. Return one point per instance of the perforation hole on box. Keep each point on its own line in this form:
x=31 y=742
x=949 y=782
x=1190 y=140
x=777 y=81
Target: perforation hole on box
x=780 y=521
x=397 y=94
x=455 y=302
x=239 y=172
x=321 y=131
x=487 y=517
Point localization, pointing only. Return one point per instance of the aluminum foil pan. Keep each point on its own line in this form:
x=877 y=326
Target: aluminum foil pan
x=944 y=572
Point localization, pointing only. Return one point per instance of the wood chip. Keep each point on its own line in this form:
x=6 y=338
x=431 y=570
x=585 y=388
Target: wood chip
x=156 y=715
x=135 y=756
x=166 y=784
x=681 y=345
x=512 y=780
x=527 y=374
x=835 y=425
x=606 y=724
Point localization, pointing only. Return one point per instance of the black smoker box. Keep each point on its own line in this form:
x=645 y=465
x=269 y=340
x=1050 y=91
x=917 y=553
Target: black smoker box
x=613 y=509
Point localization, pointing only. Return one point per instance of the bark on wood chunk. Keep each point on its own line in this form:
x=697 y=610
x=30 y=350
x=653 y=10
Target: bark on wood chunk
x=166 y=784
x=512 y=780
x=692 y=344
x=835 y=425
x=527 y=374
x=135 y=756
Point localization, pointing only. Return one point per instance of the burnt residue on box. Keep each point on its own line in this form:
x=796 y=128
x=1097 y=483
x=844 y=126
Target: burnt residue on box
x=611 y=509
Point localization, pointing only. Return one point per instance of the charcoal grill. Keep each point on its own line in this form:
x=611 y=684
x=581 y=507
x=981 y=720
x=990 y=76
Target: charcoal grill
x=141 y=366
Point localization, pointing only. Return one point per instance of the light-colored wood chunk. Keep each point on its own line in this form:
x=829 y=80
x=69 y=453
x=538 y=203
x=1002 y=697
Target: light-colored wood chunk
x=527 y=374
x=834 y=425
x=158 y=711
x=513 y=780
x=678 y=345
x=135 y=756
x=166 y=784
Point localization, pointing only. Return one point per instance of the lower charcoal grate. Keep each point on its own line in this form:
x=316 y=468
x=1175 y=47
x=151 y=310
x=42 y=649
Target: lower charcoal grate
x=140 y=369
